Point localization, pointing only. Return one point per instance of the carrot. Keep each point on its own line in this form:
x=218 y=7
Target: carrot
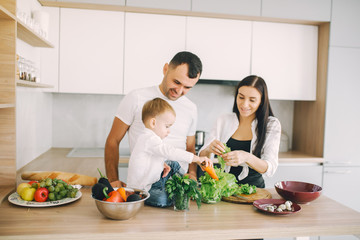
x=210 y=170
x=122 y=192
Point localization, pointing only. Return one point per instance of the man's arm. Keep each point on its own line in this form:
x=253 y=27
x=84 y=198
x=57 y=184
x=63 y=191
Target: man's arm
x=190 y=147
x=117 y=133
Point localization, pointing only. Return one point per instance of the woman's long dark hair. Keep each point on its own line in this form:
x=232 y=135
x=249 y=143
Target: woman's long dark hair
x=263 y=112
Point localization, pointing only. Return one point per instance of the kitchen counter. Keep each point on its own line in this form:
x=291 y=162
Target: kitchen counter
x=82 y=220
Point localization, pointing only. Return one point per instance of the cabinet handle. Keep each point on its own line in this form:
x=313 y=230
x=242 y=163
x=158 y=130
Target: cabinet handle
x=338 y=172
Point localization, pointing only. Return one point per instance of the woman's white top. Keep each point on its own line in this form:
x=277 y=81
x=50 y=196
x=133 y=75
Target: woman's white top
x=226 y=126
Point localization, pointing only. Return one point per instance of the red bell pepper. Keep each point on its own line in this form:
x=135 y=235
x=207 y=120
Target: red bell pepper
x=41 y=194
x=113 y=196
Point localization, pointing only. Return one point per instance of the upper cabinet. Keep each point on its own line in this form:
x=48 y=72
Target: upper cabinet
x=241 y=7
x=91 y=51
x=223 y=45
x=285 y=55
x=319 y=10
x=161 y=4
x=150 y=42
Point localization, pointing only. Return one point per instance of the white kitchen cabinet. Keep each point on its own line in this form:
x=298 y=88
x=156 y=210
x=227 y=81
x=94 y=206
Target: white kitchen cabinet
x=342 y=113
x=224 y=46
x=341 y=184
x=184 y=5
x=241 y=7
x=285 y=55
x=319 y=10
x=150 y=42
x=91 y=51
x=49 y=65
x=302 y=172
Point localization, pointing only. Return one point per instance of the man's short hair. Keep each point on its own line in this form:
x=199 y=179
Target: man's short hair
x=193 y=62
x=155 y=107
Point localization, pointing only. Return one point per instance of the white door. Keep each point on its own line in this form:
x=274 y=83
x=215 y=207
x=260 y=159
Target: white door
x=91 y=51
x=223 y=45
x=150 y=42
x=285 y=55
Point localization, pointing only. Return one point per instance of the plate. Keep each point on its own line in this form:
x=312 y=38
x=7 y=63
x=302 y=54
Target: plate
x=14 y=198
x=261 y=204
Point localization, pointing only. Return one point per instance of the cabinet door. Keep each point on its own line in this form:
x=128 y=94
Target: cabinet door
x=311 y=173
x=285 y=55
x=150 y=42
x=224 y=46
x=341 y=184
x=91 y=51
x=240 y=7
x=49 y=65
x=319 y=10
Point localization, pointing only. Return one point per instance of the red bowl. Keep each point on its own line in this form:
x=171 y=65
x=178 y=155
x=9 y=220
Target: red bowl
x=299 y=192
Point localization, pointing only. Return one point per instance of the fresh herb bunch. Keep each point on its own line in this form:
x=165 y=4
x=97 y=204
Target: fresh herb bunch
x=179 y=185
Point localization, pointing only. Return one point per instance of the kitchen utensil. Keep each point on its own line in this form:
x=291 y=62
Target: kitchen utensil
x=122 y=210
x=261 y=193
x=299 y=192
x=199 y=138
x=261 y=204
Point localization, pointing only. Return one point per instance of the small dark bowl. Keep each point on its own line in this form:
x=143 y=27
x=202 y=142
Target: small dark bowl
x=299 y=192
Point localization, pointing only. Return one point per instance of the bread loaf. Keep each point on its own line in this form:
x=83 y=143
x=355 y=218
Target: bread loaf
x=71 y=178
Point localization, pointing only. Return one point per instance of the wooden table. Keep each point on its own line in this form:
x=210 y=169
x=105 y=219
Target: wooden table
x=81 y=220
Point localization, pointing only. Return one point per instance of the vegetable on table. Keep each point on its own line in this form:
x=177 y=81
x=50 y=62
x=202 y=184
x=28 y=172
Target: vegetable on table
x=41 y=194
x=105 y=181
x=98 y=191
x=122 y=192
x=113 y=196
x=210 y=170
x=178 y=186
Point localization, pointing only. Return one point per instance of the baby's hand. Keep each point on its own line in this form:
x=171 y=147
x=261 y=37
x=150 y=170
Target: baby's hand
x=166 y=171
x=204 y=162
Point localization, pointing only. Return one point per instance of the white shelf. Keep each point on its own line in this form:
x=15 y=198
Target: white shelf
x=23 y=83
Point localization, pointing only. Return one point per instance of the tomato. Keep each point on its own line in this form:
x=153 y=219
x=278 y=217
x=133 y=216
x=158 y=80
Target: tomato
x=41 y=194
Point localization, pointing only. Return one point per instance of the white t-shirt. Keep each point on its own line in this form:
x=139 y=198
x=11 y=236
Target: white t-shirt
x=148 y=157
x=130 y=109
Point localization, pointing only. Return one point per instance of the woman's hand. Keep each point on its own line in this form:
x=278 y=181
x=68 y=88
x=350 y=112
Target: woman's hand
x=216 y=147
x=235 y=158
x=166 y=170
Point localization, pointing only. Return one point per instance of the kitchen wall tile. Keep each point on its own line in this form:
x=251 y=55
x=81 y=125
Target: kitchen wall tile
x=33 y=124
x=241 y=7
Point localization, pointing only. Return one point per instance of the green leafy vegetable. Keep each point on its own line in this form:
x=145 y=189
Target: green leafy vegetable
x=221 y=160
x=178 y=186
x=246 y=189
x=212 y=191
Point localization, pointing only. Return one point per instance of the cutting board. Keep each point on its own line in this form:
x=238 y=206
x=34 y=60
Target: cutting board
x=261 y=193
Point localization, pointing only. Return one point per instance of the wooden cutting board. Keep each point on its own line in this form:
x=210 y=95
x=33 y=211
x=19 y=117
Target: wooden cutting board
x=261 y=193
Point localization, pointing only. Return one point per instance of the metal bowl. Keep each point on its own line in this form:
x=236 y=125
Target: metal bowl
x=122 y=210
x=299 y=192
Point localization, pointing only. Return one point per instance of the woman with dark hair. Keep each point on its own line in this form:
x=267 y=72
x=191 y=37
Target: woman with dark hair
x=252 y=133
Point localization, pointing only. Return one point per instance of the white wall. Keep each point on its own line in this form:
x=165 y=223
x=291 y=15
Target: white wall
x=84 y=120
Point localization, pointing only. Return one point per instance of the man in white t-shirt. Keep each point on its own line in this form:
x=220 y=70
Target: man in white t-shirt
x=180 y=75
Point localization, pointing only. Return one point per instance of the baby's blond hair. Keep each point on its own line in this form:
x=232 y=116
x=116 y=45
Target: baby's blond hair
x=155 y=107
